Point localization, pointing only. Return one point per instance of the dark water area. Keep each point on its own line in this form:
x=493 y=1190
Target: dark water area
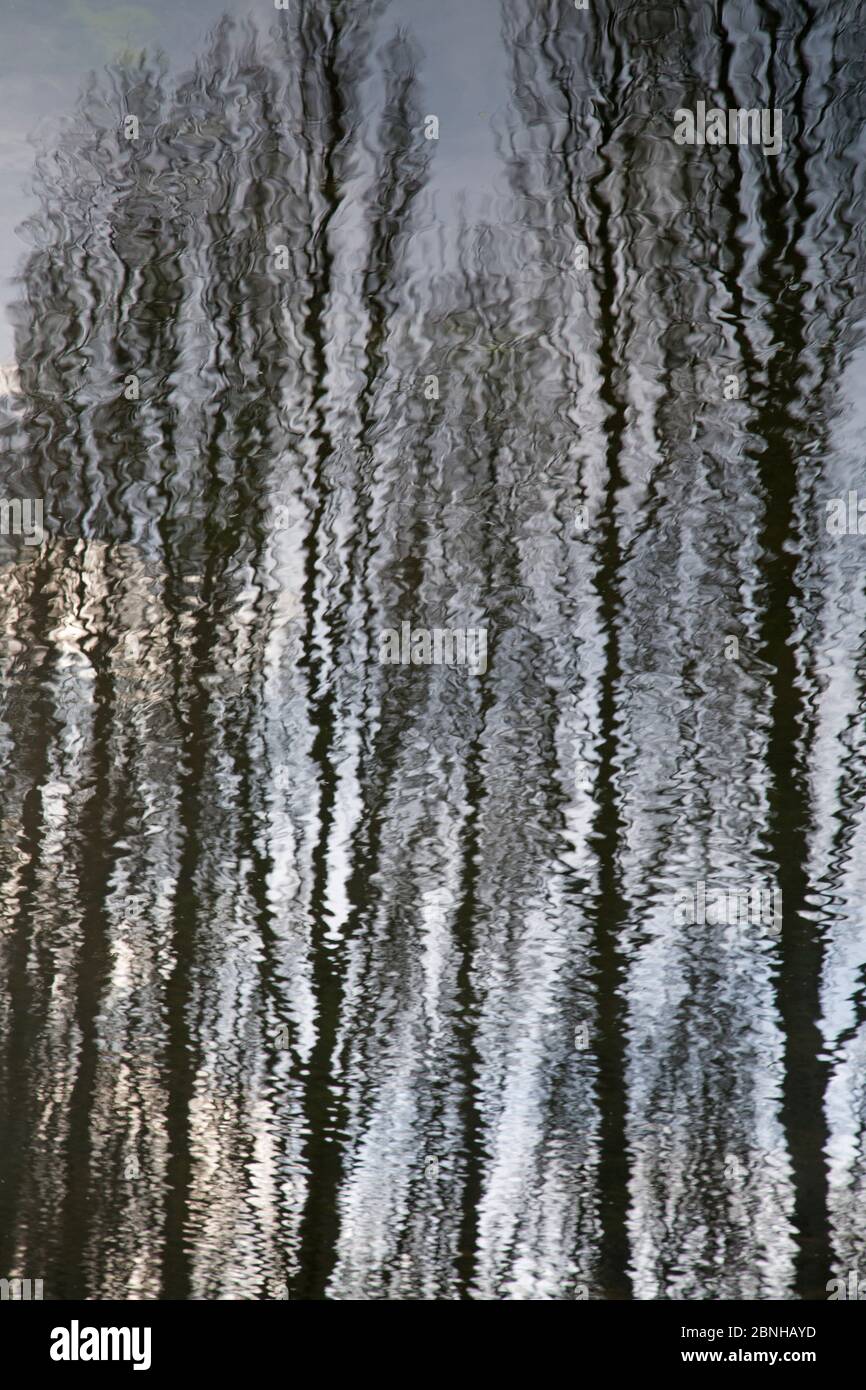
x=324 y=976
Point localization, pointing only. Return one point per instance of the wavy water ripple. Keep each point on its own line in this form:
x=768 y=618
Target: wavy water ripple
x=332 y=979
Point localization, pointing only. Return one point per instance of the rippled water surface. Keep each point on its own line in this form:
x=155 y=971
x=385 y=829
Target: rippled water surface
x=332 y=978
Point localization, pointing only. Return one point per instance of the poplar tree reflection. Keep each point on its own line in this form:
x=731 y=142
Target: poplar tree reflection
x=345 y=980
